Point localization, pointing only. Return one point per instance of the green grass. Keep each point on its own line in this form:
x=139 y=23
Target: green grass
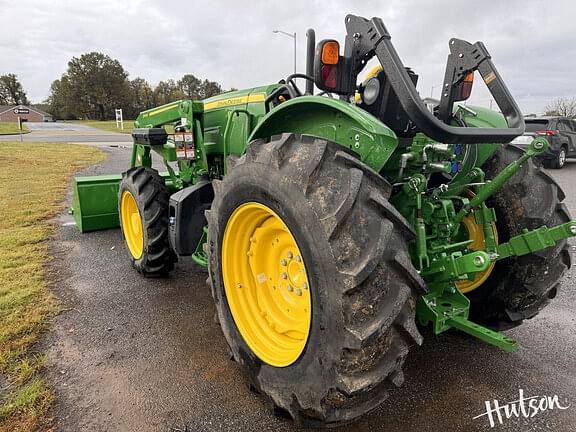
x=108 y=125
x=11 y=128
x=32 y=190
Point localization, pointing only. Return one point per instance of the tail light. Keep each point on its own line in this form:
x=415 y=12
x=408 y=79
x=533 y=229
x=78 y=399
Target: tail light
x=326 y=67
x=330 y=52
x=329 y=76
x=546 y=133
x=464 y=89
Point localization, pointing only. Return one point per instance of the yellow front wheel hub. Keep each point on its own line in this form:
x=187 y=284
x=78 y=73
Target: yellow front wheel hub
x=132 y=224
x=266 y=284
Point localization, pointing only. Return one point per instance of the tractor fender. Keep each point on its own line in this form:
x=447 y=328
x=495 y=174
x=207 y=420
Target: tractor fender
x=186 y=211
x=334 y=120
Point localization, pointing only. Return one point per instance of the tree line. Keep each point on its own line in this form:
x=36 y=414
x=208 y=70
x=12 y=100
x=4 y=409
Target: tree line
x=11 y=91
x=565 y=107
x=94 y=85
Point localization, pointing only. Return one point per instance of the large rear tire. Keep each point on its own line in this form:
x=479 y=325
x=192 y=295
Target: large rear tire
x=363 y=286
x=143 y=210
x=520 y=287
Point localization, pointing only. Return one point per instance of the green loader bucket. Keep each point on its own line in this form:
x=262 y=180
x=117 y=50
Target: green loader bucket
x=95 y=202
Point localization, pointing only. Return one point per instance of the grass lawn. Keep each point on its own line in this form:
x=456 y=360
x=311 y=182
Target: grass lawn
x=33 y=183
x=9 y=128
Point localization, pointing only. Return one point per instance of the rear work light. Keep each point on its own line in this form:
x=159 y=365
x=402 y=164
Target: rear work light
x=546 y=133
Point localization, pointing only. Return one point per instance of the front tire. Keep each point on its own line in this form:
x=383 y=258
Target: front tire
x=362 y=284
x=143 y=210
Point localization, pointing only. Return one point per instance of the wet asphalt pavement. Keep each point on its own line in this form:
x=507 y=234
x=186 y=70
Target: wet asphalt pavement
x=135 y=354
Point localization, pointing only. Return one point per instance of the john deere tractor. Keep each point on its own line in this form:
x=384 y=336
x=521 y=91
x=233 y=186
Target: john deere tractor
x=335 y=225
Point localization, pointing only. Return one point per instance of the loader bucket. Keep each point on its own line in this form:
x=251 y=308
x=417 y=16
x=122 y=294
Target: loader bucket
x=95 y=202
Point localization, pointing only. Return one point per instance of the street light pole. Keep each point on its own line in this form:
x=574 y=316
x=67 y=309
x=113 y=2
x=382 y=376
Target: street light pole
x=294 y=52
x=293 y=36
x=432 y=89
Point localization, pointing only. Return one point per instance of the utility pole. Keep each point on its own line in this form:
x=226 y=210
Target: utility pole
x=293 y=36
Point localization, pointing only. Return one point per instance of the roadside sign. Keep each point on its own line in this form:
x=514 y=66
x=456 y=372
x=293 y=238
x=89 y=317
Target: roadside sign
x=21 y=111
x=20 y=127
x=119 y=119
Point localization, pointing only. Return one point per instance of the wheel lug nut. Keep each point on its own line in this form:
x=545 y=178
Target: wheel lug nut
x=283 y=262
x=238 y=285
x=284 y=276
x=298 y=259
x=290 y=288
x=298 y=292
x=290 y=254
x=305 y=285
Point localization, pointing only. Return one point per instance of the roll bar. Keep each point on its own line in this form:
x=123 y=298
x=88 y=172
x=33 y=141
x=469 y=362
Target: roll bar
x=368 y=38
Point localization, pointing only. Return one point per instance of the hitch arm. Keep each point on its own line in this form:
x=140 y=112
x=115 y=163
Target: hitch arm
x=537 y=146
x=536 y=240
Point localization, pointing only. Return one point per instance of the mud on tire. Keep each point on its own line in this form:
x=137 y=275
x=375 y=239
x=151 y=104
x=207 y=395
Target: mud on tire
x=362 y=281
x=520 y=287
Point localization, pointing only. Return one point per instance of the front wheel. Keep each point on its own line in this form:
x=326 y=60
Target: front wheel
x=312 y=280
x=143 y=210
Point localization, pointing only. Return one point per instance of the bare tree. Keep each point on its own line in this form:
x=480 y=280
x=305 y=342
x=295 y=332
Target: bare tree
x=563 y=106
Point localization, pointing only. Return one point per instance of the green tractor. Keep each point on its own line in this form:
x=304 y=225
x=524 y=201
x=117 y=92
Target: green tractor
x=334 y=225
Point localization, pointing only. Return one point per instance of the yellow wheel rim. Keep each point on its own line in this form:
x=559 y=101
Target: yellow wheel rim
x=266 y=284
x=476 y=233
x=132 y=225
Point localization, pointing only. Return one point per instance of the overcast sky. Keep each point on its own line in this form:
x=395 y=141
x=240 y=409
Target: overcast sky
x=533 y=43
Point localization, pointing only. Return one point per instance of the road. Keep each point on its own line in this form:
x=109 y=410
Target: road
x=67 y=132
x=135 y=354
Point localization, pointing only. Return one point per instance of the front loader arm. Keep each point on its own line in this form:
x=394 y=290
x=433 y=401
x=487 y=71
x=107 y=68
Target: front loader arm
x=169 y=113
